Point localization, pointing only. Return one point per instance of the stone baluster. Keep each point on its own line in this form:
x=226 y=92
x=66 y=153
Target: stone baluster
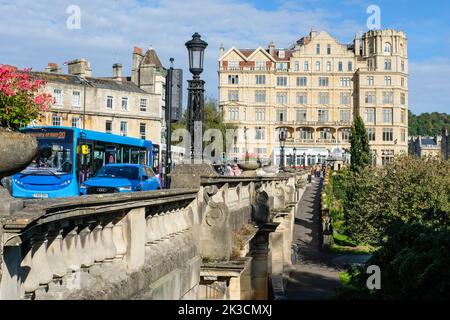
x=108 y=243
x=98 y=248
x=162 y=226
x=119 y=240
x=69 y=250
x=55 y=255
x=151 y=232
x=182 y=226
x=39 y=259
x=171 y=224
x=30 y=280
x=85 y=247
x=188 y=215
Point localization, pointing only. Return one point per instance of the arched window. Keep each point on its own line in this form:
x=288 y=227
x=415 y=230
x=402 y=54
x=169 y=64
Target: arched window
x=387 y=47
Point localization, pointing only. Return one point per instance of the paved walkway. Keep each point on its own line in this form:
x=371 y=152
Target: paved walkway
x=316 y=273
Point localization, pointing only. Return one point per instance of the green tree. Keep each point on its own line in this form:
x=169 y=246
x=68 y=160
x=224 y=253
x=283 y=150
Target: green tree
x=414 y=262
x=410 y=190
x=213 y=119
x=359 y=149
x=428 y=124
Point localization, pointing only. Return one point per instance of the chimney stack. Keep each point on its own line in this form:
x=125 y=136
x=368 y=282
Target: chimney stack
x=52 y=67
x=272 y=48
x=117 y=71
x=80 y=67
x=357 y=45
x=222 y=50
x=136 y=61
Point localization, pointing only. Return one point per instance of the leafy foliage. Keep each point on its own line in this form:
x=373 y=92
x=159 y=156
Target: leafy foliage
x=404 y=210
x=414 y=264
x=20 y=99
x=359 y=149
x=410 y=190
x=428 y=124
x=213 y=119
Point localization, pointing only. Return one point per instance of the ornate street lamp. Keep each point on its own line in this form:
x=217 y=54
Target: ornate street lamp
x=282 y=137
x=304 y=160
x=196 y=101
x=168 y=117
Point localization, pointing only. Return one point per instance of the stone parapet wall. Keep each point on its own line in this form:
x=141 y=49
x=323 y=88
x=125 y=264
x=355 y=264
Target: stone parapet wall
x=147 y=245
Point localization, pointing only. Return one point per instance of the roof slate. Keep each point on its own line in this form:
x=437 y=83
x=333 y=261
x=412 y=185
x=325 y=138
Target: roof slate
x=101 y=83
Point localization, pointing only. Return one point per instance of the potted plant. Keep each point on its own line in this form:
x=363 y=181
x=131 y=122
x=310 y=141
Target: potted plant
x=21 y=101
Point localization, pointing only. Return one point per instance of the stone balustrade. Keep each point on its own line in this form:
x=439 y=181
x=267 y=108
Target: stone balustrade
x=148 y=245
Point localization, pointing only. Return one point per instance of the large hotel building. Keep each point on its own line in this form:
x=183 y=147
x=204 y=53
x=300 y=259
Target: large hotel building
x=313 y=90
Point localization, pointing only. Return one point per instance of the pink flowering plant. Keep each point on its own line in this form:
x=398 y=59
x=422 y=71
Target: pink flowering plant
x=21 y=99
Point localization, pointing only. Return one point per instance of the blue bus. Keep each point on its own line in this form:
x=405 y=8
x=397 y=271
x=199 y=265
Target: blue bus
x=69 y=156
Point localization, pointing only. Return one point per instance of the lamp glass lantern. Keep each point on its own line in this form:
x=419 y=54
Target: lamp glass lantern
x=282 y=137
x=196 y=49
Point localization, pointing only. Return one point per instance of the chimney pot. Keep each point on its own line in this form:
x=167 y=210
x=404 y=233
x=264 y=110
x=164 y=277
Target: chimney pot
x=52 y=67
x=80 y=67
x=272 y=48
x=117 y=71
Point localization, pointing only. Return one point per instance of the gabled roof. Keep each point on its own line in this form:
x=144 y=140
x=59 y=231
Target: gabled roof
x=261 y=49
x=151 y=58
x=235 y=50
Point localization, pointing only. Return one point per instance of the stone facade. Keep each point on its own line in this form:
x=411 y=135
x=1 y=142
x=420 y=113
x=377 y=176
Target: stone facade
x=314 y=89
x=425 y=146
x=131 y=106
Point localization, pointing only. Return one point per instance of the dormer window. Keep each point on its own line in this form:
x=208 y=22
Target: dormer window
x=233 y=65
x=281 y=54
x=260 y=65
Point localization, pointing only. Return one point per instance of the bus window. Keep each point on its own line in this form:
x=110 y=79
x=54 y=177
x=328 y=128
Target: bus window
x=99 y=157
x=119 y=154
x=125 y=154
x=155 y=156
x=110 y=155
x=142 y=156
x=135 y=156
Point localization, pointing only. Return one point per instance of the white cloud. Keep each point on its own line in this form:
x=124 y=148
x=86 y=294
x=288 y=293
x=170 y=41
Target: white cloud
x=34 y=33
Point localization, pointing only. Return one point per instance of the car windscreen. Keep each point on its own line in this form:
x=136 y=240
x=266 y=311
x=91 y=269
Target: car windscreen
x=127 y=172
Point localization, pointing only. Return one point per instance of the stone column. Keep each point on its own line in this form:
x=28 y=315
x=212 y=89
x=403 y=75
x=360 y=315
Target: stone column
x=85 y=247
x=107 y=239
x=30 y=280
x=119 y=239
x=259 y=250
x=135 y=234
x=69 y=251
x=11 y=287
x=55 y=256
x=99 y=249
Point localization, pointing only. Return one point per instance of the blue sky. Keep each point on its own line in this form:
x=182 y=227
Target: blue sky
x=34 y=33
